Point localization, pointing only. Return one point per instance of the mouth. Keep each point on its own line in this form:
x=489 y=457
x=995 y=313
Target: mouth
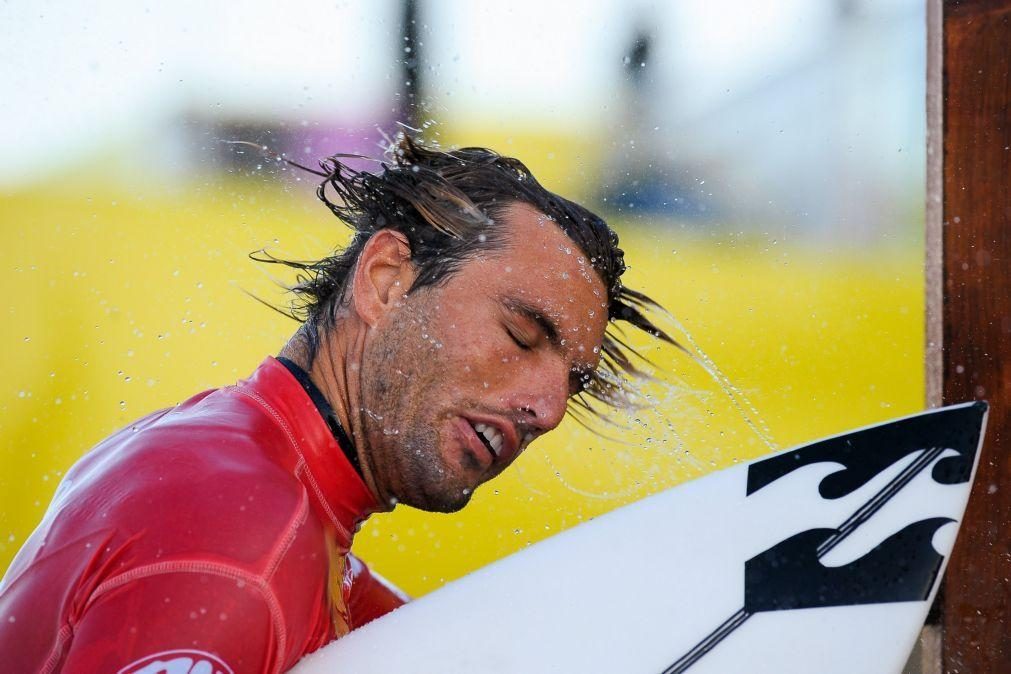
x=500 y=440
x=483 y=440
x=490 y=437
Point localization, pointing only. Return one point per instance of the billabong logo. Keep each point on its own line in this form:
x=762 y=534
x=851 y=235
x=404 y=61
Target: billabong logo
x=178 y=662
x=903 y=565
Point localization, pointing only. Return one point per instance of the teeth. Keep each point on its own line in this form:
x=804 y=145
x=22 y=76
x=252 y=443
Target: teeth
x=527 y=439
x=492 y=435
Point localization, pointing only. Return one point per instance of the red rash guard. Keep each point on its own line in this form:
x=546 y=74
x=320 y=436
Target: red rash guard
x=212 y=537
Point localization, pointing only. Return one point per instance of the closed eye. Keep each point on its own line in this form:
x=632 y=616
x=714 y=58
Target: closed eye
x=519 y=341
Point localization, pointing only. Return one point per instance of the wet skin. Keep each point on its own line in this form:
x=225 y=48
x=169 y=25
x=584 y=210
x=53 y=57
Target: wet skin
x=503 y=342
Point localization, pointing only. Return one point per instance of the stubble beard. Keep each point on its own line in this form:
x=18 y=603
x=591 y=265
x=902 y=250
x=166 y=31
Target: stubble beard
x=402 y=374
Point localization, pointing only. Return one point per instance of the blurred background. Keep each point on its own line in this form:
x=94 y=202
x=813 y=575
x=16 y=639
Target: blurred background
x=763 y=164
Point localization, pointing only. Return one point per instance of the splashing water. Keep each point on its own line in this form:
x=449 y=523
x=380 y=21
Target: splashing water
x=739 y=401
x=737 y=397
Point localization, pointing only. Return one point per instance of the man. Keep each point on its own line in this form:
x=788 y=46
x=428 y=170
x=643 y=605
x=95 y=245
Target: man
x=469 y=312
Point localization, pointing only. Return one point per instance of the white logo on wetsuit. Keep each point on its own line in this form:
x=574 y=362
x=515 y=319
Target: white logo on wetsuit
x=178 y=662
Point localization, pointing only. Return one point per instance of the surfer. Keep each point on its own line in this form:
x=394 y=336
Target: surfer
x=470 y=311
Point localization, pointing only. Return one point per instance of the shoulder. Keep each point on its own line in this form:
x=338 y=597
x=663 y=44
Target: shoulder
x=199 y=480
x=189 y=506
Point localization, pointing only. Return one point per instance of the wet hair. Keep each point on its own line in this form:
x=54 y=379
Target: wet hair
x=448 y=204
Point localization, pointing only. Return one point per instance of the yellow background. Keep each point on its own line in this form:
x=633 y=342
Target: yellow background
x=119 y=301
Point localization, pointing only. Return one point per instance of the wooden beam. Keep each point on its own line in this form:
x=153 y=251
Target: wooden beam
x=976 y=211
x=935 y=206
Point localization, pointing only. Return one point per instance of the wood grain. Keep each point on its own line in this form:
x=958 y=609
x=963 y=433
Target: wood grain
x=977 y=320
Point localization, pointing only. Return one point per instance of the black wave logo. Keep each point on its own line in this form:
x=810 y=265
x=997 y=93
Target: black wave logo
x=867 y=452
x=903 y=567
x=790 y=575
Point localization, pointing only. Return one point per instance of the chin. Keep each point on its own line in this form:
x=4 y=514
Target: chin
x=450 y=506
x=442 y=499
x=437 y=479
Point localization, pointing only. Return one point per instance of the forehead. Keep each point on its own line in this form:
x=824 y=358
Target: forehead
x=540 y=266
x=535 y=243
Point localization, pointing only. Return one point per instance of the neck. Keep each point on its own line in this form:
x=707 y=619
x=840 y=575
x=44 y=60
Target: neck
x=335 y=369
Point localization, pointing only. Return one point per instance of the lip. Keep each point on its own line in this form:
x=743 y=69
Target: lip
x=474 y=444
x=510 y=440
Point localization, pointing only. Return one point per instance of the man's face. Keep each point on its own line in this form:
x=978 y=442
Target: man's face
x=459 y=378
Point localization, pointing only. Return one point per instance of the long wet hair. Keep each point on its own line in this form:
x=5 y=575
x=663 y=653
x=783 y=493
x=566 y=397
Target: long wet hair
x=448 y=204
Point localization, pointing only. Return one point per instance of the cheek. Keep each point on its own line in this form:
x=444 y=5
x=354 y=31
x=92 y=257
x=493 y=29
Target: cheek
x=477 y=354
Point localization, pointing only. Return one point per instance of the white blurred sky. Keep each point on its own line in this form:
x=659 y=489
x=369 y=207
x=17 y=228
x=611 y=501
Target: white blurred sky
x=79 y=74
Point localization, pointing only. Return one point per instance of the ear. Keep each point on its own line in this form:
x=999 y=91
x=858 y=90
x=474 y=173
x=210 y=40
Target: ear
x=383 y=275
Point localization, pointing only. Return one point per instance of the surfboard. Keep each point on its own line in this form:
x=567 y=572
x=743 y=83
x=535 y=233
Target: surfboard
x=822 y=558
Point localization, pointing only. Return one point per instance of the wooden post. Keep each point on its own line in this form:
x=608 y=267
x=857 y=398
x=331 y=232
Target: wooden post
x=976 y=358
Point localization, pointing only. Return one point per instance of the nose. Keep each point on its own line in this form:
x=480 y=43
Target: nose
x=543 y=396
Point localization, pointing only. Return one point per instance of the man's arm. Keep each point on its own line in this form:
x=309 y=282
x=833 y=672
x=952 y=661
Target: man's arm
x=195 y=612
x=371 y=596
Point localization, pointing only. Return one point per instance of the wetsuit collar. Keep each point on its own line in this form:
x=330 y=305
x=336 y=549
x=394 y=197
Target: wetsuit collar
x=326 y=411
x=316 y=457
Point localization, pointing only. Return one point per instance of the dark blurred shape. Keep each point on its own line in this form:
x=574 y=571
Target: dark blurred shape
x=637 y=57
x=642 y=179
x=222 y=144
x=242 y=160
x=409 y=57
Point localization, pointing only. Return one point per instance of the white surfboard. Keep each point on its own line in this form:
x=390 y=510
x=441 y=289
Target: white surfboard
x=824 y=558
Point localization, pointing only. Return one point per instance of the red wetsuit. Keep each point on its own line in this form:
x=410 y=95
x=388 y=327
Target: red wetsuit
x=210 y=537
